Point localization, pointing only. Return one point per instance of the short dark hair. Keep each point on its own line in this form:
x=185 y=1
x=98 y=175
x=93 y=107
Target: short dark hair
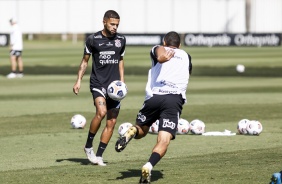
x=111 y=14
x=172 y=39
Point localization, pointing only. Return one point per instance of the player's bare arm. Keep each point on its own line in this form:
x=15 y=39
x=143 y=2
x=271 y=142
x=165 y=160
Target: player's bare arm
x=164 y=55
x=80 y=74
x=121 y=69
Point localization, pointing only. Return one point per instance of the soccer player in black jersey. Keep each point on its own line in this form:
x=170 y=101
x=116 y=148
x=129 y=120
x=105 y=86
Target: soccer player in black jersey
x=107 y=48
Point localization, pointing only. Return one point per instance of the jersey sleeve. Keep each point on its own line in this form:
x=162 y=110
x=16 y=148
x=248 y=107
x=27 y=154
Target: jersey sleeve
x=122 y=52
x=88 y=45
x=153 y=55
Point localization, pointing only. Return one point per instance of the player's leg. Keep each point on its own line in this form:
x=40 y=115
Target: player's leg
x=107 y=133
x=13 y=61
x=158 y=152
x=171 y=110
x=145 y=118
x=101 y=110
x=20 y=66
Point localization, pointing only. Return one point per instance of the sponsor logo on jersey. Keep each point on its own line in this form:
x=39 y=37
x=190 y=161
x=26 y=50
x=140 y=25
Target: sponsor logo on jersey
x=117 y=43
x=109 y=44
x=167 y=83
x=107 y=52
x=106 y=58
x=169 y=124
x=98 y=36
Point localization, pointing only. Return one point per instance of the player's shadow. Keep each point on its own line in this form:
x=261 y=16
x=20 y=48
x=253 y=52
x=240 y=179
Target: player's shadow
x=137 y=173
x=77 y=160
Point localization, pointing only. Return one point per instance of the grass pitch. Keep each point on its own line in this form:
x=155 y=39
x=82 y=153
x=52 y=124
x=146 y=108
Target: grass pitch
x=38 y=144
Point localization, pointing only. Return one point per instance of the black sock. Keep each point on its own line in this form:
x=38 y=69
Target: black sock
x=101 y=149
x=90 y=139
x=155 y=158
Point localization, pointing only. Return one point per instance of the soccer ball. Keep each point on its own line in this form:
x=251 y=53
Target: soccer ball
x=242 y=126
x=183 y=126
x=117 y=90
x=123 y=128
x=78 y=121
x=254 y=127
x=240 y=68
x=154 y=128
x=197 y=127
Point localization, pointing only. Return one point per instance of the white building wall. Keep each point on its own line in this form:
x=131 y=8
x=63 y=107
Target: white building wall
x=142 y=16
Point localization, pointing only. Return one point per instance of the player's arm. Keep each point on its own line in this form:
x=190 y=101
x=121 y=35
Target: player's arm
x=121 y=69
x=82 y=68
x=163 y=54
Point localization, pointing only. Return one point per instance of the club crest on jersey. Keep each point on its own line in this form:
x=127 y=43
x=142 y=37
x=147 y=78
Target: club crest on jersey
x=117 y=43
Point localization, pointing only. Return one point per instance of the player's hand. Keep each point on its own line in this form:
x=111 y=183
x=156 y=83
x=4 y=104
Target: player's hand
x=76 y=88
x=169 y=54
x=165 y=55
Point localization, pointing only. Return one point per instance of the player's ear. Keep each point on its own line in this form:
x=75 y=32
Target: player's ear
x=104 y=22
x=164 y=43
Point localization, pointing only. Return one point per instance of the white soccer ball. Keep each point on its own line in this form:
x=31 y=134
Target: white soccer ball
x=123 y=128
x=154 y=128
x=254 y=127
x=78 y=121
x=183 y=126
x=117 y=90
x=197 y=127
x=242 y=126
x=240 y=68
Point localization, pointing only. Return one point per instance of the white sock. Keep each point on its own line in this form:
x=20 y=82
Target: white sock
x=148 y=165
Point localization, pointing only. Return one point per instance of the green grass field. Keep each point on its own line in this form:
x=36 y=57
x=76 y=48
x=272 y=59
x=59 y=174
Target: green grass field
x=38 y=145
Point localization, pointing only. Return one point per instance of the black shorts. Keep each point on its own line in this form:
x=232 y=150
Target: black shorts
x=102 y=92
x=15 y=53
x=165 y=108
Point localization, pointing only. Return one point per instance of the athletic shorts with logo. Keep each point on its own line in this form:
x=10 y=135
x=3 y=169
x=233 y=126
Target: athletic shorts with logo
x=102 y=92
x=165 y=108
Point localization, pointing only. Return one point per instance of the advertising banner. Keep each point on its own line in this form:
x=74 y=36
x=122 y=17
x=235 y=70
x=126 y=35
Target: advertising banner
x=248 y=39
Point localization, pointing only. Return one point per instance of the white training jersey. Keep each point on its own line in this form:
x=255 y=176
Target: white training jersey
x=170 y=77
x=16 y=39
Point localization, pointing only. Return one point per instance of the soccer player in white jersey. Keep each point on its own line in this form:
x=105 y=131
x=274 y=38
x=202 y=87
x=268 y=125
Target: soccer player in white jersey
x=165 y=95
x=16 y=47
x=107 y=48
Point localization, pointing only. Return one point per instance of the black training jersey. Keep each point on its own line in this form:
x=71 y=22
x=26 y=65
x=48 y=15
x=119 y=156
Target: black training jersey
x=106 y=53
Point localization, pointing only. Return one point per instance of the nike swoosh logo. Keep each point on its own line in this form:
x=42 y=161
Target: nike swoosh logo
x=119 y=146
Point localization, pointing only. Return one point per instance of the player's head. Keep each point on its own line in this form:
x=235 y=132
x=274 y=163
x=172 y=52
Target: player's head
x=172 y=39
x=13 y=21
x=111 y=22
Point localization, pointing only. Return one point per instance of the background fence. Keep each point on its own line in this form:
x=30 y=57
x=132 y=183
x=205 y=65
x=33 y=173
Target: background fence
x=144 y=16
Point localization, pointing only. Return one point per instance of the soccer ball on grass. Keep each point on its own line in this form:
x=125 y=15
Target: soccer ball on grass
x=242 y=126
x=254 y=127
x=197 y=127
x=78 y=121
x=117 y=90
x=183 y=126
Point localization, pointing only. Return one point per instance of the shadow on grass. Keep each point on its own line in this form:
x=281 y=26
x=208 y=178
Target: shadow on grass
x=77 y=160
x=138 y=70
x=137 y=173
